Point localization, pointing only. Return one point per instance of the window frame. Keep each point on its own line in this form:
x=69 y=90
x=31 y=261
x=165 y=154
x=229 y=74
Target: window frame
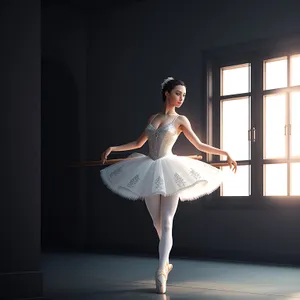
x=255 y=53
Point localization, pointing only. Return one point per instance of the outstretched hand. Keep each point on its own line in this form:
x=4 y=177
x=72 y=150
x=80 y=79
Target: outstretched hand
x=232 y=163
x=105 y=154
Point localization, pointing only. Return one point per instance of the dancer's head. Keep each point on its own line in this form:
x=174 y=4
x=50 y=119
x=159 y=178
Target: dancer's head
x=173 y=91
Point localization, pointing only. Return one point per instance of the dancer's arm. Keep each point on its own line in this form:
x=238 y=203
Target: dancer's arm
x=186 y=128
x=138 y=143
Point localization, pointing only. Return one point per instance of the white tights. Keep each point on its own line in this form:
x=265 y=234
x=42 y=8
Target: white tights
x=162 y=210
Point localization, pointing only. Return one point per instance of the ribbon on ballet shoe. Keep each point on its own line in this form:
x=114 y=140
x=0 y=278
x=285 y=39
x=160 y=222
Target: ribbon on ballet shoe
x=169 y=268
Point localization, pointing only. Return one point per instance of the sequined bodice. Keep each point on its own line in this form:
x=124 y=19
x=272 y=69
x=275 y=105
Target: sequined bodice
x=161 y=140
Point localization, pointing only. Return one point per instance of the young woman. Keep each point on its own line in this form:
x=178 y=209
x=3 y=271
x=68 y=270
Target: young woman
x=162 y=178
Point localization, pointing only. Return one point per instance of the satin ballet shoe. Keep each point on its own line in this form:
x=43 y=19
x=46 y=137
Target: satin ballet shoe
x=161 y=277
x=161 y=281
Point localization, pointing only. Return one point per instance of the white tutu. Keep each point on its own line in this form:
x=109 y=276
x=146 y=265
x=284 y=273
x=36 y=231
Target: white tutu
x=140 y=176
x=161 y=172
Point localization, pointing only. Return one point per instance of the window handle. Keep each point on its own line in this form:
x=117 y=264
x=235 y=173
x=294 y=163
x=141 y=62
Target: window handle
x=252 y=134
x=249 y=135
x=288 y=129
x=285 y=129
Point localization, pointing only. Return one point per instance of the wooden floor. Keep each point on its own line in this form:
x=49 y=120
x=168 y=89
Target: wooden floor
x=107 y=277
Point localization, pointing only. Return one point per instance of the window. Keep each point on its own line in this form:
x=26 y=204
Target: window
x=253 y=104
x=281 y=98
x=235 y=96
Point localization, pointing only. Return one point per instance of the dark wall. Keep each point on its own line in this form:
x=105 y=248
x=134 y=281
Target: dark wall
x=20 y=224
x=65 y=38
x=64 y=48
x=130 y=52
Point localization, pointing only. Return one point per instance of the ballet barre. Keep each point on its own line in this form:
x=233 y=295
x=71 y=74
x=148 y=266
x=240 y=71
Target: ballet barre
x=116 y=160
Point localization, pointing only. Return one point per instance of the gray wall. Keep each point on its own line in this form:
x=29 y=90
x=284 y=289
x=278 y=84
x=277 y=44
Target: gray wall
x=20 y=201
x=130 y=52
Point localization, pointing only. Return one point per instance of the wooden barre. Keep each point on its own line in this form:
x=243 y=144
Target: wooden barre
x=116 y=160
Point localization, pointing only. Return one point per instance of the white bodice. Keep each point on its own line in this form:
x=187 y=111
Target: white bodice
x=161 y=140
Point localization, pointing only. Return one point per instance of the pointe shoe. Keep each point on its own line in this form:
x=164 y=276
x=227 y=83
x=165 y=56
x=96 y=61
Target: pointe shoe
x=161 y=277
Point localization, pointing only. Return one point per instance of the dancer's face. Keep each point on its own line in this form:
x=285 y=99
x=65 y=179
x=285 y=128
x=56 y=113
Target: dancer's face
x=176 y=96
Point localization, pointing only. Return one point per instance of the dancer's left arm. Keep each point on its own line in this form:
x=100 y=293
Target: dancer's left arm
x=186 y=128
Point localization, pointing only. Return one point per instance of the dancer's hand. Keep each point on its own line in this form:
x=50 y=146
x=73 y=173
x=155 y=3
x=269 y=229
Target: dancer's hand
x=105 y=154
x=232 y=163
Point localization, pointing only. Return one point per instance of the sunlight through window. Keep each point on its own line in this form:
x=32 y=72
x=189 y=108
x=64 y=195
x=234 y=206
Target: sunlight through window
x=295 y=70
x=258 y=121
x=275 y=72
x=295 y=175
x=295 y=124
x=237 y=184
x=235 y=138
x=274 y=126
x=275 y=176
x=235 y=79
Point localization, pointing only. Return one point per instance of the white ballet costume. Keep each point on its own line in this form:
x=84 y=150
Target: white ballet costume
x=161 y=172
x=161 y=179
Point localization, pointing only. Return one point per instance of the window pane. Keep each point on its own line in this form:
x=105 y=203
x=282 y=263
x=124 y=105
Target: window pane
x=274 y=126
x=295 y=123
x=235 y=79
x=234 y=128
x=295 y=175
x=275 y=183
x=295 y=70
x=275 y=73
x=237 y=184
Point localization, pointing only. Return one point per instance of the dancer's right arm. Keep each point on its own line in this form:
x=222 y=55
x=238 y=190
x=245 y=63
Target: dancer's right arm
x=138 y=143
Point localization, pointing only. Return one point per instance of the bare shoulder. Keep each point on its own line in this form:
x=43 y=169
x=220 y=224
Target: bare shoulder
x=152 y=117
x=183 y=120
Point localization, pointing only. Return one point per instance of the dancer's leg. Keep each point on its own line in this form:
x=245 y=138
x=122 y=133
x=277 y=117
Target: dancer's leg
x=153 y=206
x=169 y=206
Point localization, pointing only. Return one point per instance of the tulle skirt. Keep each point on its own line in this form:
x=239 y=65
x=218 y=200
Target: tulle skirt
x=140 y=176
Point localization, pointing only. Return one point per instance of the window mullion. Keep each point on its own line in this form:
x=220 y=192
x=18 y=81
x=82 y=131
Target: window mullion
x=257 y=111
x=288 y=142
x=288 y=122
x=217 y=113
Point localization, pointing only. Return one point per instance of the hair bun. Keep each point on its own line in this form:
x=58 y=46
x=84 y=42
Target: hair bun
x=166 y=81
